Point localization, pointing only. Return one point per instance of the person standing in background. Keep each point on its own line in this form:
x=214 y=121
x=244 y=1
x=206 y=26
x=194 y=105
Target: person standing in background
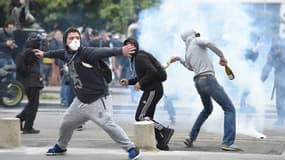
x=132 y=31
x=28 y=68
x=276 y=61
x=66 y=88
x=120 y=64
x=251 y=55
x=86 y=36
x=7 y=47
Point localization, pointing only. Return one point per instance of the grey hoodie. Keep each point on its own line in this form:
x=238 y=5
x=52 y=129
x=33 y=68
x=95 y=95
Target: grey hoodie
x=196 y=53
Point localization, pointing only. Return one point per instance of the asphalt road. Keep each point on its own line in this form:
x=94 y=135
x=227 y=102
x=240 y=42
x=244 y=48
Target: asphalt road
x=94 y=143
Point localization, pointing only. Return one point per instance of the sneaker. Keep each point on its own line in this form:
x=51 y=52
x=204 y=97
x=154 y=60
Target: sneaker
x=134 y=153
x=31 y=131
x=162 y=147
x=56 y=151
x=232 y=147
x=166 y=134
x=188 y=142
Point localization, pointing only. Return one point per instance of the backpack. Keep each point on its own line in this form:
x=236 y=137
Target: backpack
x=161 y=73
x=105 y=71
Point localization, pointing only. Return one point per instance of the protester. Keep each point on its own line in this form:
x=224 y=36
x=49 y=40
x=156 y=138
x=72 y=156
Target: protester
x=28 y=72
x=276 y=61
x=169 y=107
x=147 y=80
x=66 y=89
x=251 y=55
x=198 y=61
x=7 y=47
x=92 y=101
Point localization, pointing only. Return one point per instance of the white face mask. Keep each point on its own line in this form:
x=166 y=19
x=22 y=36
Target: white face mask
x=74 y=45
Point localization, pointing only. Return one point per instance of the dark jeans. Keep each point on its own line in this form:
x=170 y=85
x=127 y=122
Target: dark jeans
x=29 y=113
x=208 y=88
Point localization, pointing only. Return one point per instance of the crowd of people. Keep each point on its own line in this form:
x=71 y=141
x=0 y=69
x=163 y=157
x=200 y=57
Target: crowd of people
x=84 y=81
x=83 y=59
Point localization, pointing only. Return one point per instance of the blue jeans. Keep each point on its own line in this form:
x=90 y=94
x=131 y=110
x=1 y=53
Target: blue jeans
x=208 y=87
x=66 y=94
x=280 y=96
x=8 y=61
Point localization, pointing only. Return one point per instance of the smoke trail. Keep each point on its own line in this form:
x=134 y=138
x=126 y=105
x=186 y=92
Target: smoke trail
x=225 y=23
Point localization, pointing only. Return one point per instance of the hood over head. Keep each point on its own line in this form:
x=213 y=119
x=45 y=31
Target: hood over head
x=133 y=41
x=189 y=35
x=67 y=31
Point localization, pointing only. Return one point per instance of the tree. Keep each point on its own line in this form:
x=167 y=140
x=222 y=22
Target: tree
x=110 y=15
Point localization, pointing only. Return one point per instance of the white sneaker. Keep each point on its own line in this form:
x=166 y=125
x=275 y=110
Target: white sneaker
x=231 y=147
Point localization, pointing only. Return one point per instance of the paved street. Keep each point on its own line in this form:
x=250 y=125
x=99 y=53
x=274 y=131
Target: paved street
x=94 y=143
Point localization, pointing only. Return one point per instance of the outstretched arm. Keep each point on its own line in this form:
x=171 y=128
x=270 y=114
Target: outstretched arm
x=92 y=55
x=171 y=60
x=51 y=54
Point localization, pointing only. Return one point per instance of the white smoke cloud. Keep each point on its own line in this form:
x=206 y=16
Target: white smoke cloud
x=225 y=23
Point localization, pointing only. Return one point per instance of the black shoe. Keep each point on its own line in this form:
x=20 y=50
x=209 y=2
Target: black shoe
x=31 y=131
x=166 y=134
x=162 y=147
x=163 y=137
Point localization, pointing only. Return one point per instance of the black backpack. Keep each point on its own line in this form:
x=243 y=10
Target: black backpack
x=161 y=73
x=105 y=71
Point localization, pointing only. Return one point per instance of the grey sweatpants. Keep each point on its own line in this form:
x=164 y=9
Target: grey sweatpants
x=100 y=112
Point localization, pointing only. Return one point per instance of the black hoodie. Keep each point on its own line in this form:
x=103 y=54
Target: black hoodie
x=83 y=65
x=145 y=70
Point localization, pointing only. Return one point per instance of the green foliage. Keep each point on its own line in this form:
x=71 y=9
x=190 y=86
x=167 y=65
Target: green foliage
x=4 y=10
x=110 y=15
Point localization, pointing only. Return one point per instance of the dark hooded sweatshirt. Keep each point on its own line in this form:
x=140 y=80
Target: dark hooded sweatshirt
x=83 y=65
x=145 y=69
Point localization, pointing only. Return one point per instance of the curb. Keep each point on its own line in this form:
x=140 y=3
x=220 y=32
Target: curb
x=146 y=155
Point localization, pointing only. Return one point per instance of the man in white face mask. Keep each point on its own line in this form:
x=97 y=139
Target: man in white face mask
x=74 y=45
x=92 y=101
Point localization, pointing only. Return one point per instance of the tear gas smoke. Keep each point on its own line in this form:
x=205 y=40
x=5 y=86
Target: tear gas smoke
x=228 y=25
